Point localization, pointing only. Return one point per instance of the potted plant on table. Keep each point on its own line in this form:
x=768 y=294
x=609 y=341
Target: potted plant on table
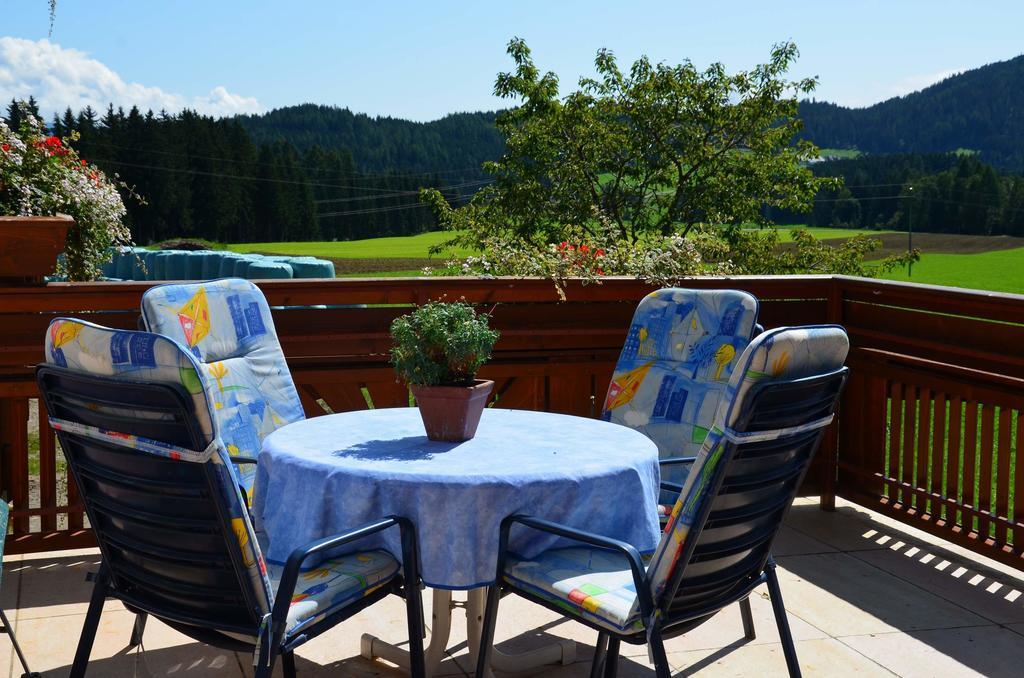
x=53 y=200
x=437 y=350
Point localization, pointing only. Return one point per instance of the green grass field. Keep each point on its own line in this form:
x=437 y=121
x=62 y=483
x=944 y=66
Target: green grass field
x=411 y=247
x=1001 y=271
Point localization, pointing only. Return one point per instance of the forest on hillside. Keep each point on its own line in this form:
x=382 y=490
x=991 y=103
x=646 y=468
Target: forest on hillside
x=211 y=178
x=979 y=110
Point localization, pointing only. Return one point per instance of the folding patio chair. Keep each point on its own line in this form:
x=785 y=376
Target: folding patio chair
x=674 y=368
x=136 y=423
x=7 y=628
x=716 y=548
x=227 y=327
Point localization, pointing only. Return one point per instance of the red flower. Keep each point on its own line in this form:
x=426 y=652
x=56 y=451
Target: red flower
x=584 y=249
x=599 y=252
x=83 y=163
x=562 y=245
x=600 y=271
x=6 y=147
x=53 y=142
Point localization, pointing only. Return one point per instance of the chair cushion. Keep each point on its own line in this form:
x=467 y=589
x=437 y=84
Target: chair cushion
x=592 y=583
x=227 y=326
x=676 y=364
x=334 y=584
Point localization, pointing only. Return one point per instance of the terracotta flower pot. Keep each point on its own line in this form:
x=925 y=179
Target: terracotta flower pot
x=29 y=246
x=452 y=413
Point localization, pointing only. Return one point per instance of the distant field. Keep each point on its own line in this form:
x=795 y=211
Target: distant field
x=403 y=247
x=843 y=153
x=1000 y=271
x=987 y=263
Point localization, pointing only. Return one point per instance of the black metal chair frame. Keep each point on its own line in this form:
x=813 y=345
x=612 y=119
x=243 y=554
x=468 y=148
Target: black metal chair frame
x=66 y=394
x=770 y=406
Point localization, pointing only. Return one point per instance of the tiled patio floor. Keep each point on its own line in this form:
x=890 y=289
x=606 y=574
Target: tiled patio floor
x=865 y=595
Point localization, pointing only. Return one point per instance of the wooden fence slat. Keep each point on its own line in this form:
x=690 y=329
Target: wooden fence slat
x=1002 y=480
x=47 y=470
x=938 y=458
x=924 y=428
x=1018 y=485
x=895 y=436
x=985 y=478
x=970 y=450
x=954 y=471
x=907 y=444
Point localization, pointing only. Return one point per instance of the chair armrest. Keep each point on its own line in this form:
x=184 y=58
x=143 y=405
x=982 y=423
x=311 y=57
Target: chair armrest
x=671 y=487
x=676 y=461
x=632 y=556
x=243 y=460
x=290 y=574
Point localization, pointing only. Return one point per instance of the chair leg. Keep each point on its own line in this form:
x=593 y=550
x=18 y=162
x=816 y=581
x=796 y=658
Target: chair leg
x=483 y=659
x=661 y=667
x=748 y=619
x=9 y=630
x=611 y=662
x=288 y=664
x=414 y=620
x=785 y=635
x=92 y=622
x=138 y=629
x=600 y=656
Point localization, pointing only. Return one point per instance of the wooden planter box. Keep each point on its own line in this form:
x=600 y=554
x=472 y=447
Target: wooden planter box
x=29 y=246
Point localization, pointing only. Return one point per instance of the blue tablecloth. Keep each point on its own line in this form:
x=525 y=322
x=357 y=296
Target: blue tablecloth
x=324 y=475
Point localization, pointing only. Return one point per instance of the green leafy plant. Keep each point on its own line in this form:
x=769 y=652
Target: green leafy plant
x=441 y=344
x=42 y=175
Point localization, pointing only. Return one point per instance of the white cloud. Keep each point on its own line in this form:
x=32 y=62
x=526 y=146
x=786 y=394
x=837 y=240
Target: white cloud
x=59 y=77
x=911 y=83
x=914 y=83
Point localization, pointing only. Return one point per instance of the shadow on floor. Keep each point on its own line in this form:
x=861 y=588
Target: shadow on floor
x=947 y=601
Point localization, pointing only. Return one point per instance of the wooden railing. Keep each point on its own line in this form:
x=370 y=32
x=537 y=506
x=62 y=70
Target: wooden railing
x=928 y=428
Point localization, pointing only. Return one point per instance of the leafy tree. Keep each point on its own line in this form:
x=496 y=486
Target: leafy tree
x=657 y=150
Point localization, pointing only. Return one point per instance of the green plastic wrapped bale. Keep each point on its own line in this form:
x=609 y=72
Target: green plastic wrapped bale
x=109 y=268
x=241 y=266
x=159 y=265
x=227 y=265
x=195 y=265
x=177 y=265
x=211 y=265
x=125 y=257
x=310 y=267
x=149 y=258
x=268 y=270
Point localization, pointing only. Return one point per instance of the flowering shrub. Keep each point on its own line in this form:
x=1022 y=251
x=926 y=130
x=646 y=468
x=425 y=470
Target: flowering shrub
x=589 y=256
x=41 y=175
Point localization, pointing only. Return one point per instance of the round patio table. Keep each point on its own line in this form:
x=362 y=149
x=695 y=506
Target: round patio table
x=325 y=475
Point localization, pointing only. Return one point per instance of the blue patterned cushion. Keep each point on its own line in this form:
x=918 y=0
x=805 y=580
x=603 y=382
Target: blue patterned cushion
x=227 y=327
x=593 y=583
x=141 y=356
x=334 y=584
x=676 y=364
x=779 y=354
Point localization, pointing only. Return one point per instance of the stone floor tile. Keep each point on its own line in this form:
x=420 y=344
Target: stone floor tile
x=57 y=586
x=818 y=657
x=985 y=592
x=843 y=529
x=791 y=542
x=976 y=651
x=843 y=595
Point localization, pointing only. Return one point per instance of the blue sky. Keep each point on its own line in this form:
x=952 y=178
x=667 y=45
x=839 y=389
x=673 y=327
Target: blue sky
x=420 y=60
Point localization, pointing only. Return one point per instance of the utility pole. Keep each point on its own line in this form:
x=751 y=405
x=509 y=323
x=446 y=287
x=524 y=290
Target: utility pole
x=910 y=229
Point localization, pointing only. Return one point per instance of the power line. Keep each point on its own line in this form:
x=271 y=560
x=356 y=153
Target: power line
x=378 y=210
x=401 y=193
x=243 y=177
x=352 y=175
